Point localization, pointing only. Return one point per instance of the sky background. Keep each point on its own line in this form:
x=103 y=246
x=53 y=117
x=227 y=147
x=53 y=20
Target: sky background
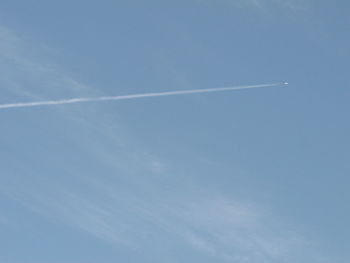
x=248 y=176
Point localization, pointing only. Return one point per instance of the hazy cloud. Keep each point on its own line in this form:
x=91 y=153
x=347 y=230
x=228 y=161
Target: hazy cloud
x=130 y=207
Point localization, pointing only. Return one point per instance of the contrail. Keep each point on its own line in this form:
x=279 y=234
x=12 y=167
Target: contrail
x=132 y=96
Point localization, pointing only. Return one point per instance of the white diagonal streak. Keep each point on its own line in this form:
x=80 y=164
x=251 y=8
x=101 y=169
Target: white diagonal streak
x=132 y=96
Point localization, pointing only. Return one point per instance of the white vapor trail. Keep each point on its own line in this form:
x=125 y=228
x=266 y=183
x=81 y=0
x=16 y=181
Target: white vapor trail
x=131 y=96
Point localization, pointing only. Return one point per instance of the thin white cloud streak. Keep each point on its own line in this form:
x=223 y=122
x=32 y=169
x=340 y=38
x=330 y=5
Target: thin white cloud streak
x=132 y=96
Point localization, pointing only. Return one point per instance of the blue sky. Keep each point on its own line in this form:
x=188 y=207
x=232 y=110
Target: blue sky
x=247 y=176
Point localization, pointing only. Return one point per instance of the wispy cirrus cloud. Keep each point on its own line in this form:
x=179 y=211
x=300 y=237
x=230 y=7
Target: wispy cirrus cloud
x=26 y=73
x=212 y=225
x=132 y=206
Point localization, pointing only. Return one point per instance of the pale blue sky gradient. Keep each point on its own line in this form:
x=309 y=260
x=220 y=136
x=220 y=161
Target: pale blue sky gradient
x=250 y=176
